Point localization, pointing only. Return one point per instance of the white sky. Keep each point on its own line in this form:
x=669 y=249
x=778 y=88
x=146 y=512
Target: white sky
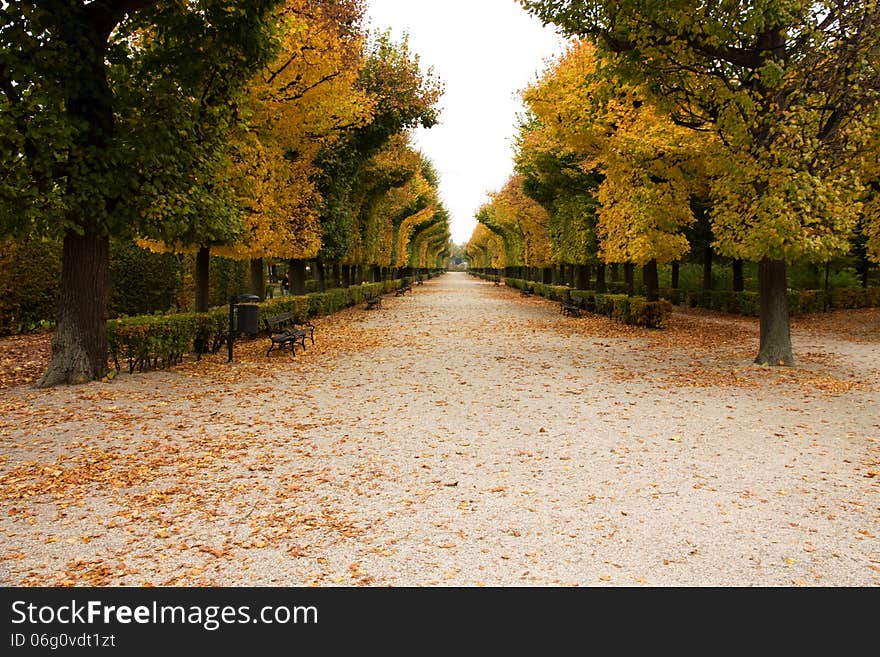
x=484 y=51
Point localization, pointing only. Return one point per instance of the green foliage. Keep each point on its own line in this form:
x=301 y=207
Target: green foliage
x=142 y=282
x=149 y=341
x=636 y=311
x=649 y=314
x=855 y=297
x=30 y=277
x=162 y=340
x=227 y=277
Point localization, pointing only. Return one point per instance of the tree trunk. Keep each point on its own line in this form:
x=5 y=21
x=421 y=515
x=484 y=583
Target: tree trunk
x=203 y=271
x=79 y=345
x=675 y=267
x=707 y=268
x=629 y=275
x=615 y=272
x=775 y=347
x=320 y=278
x=652 y=282
x=346 y=275
x=738 y=282
x=582 y=277
x=600 y=278
x=297 y=276
x=258 y=278
x=547 y=276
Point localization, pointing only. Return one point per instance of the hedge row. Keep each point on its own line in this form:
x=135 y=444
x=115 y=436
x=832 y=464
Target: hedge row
x=163 y=340
x=799 y=301
x=740 y=303
x=636 y=311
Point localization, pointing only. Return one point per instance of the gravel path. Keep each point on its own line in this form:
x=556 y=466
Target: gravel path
x=460 y=436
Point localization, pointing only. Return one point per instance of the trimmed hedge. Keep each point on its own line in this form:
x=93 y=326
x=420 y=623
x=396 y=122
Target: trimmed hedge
x=636 y=311
x=799 y=301
x=153 y=341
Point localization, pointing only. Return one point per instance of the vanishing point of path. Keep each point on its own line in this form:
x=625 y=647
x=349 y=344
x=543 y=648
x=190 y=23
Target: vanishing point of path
x=462 y=435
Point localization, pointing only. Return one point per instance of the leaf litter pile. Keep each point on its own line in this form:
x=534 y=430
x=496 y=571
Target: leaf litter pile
x=463 y=435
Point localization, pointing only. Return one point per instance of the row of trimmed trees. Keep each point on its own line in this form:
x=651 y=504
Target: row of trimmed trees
x=753 y=133
x=273 y=129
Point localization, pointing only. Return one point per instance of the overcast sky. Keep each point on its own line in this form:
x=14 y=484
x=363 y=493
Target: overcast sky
x=484 y=51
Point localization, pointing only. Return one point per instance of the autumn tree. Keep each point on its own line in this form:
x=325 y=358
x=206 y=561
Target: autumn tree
x=404 y=97
x=787 y=87
x=485 y=249
x=553 y=176
x=302 y=101
x=520 y=222
x=114 y=118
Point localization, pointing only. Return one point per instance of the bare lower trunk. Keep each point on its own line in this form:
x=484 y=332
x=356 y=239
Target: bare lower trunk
x=320 y=275
x=738 y=282
x=79 y=346
x=582 y=277
x=629 y=275
x=203 y=270
x=708 y=253
x=675 y=272
x=600 y=278
x=652 y=285
x=775 y=348
x=615 y=272
x=297 y=276
x=258 y=278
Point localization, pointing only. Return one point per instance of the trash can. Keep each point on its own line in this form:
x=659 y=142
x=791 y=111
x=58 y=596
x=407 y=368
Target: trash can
x=248 y=319
x=244 y=317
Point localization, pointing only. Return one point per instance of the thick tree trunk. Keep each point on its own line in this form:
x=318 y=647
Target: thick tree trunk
x=335 y=275
x=582 y=277
x=203 y=270
x=547 y=276
x=775 y=347
x=629 y=275
x=79 y=345
x=738 y=282
x=258 y=278
x=675 y=267
x=652 y=282
x=297 y=275
x=707 y=268
x=600 y=278
x=346 y=276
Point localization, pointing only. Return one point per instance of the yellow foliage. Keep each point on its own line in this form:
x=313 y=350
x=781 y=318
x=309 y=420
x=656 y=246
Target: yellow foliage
x=651 y=166
x=299 y=104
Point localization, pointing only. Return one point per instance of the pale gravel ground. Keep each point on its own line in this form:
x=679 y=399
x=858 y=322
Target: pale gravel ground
x=486 y=440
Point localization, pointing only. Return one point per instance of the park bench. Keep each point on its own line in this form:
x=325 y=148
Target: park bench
x=497 y=281
x=283 y=332
x=527 y=291
x=571 y=309
x=403 y=289
x=373 y=302
x=420 y=282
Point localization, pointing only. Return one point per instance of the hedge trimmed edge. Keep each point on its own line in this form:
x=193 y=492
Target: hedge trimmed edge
x=635 y=311
x=153 y=341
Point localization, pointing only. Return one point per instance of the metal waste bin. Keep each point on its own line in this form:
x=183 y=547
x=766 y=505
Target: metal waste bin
x=244 y=317
x=248 y=316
